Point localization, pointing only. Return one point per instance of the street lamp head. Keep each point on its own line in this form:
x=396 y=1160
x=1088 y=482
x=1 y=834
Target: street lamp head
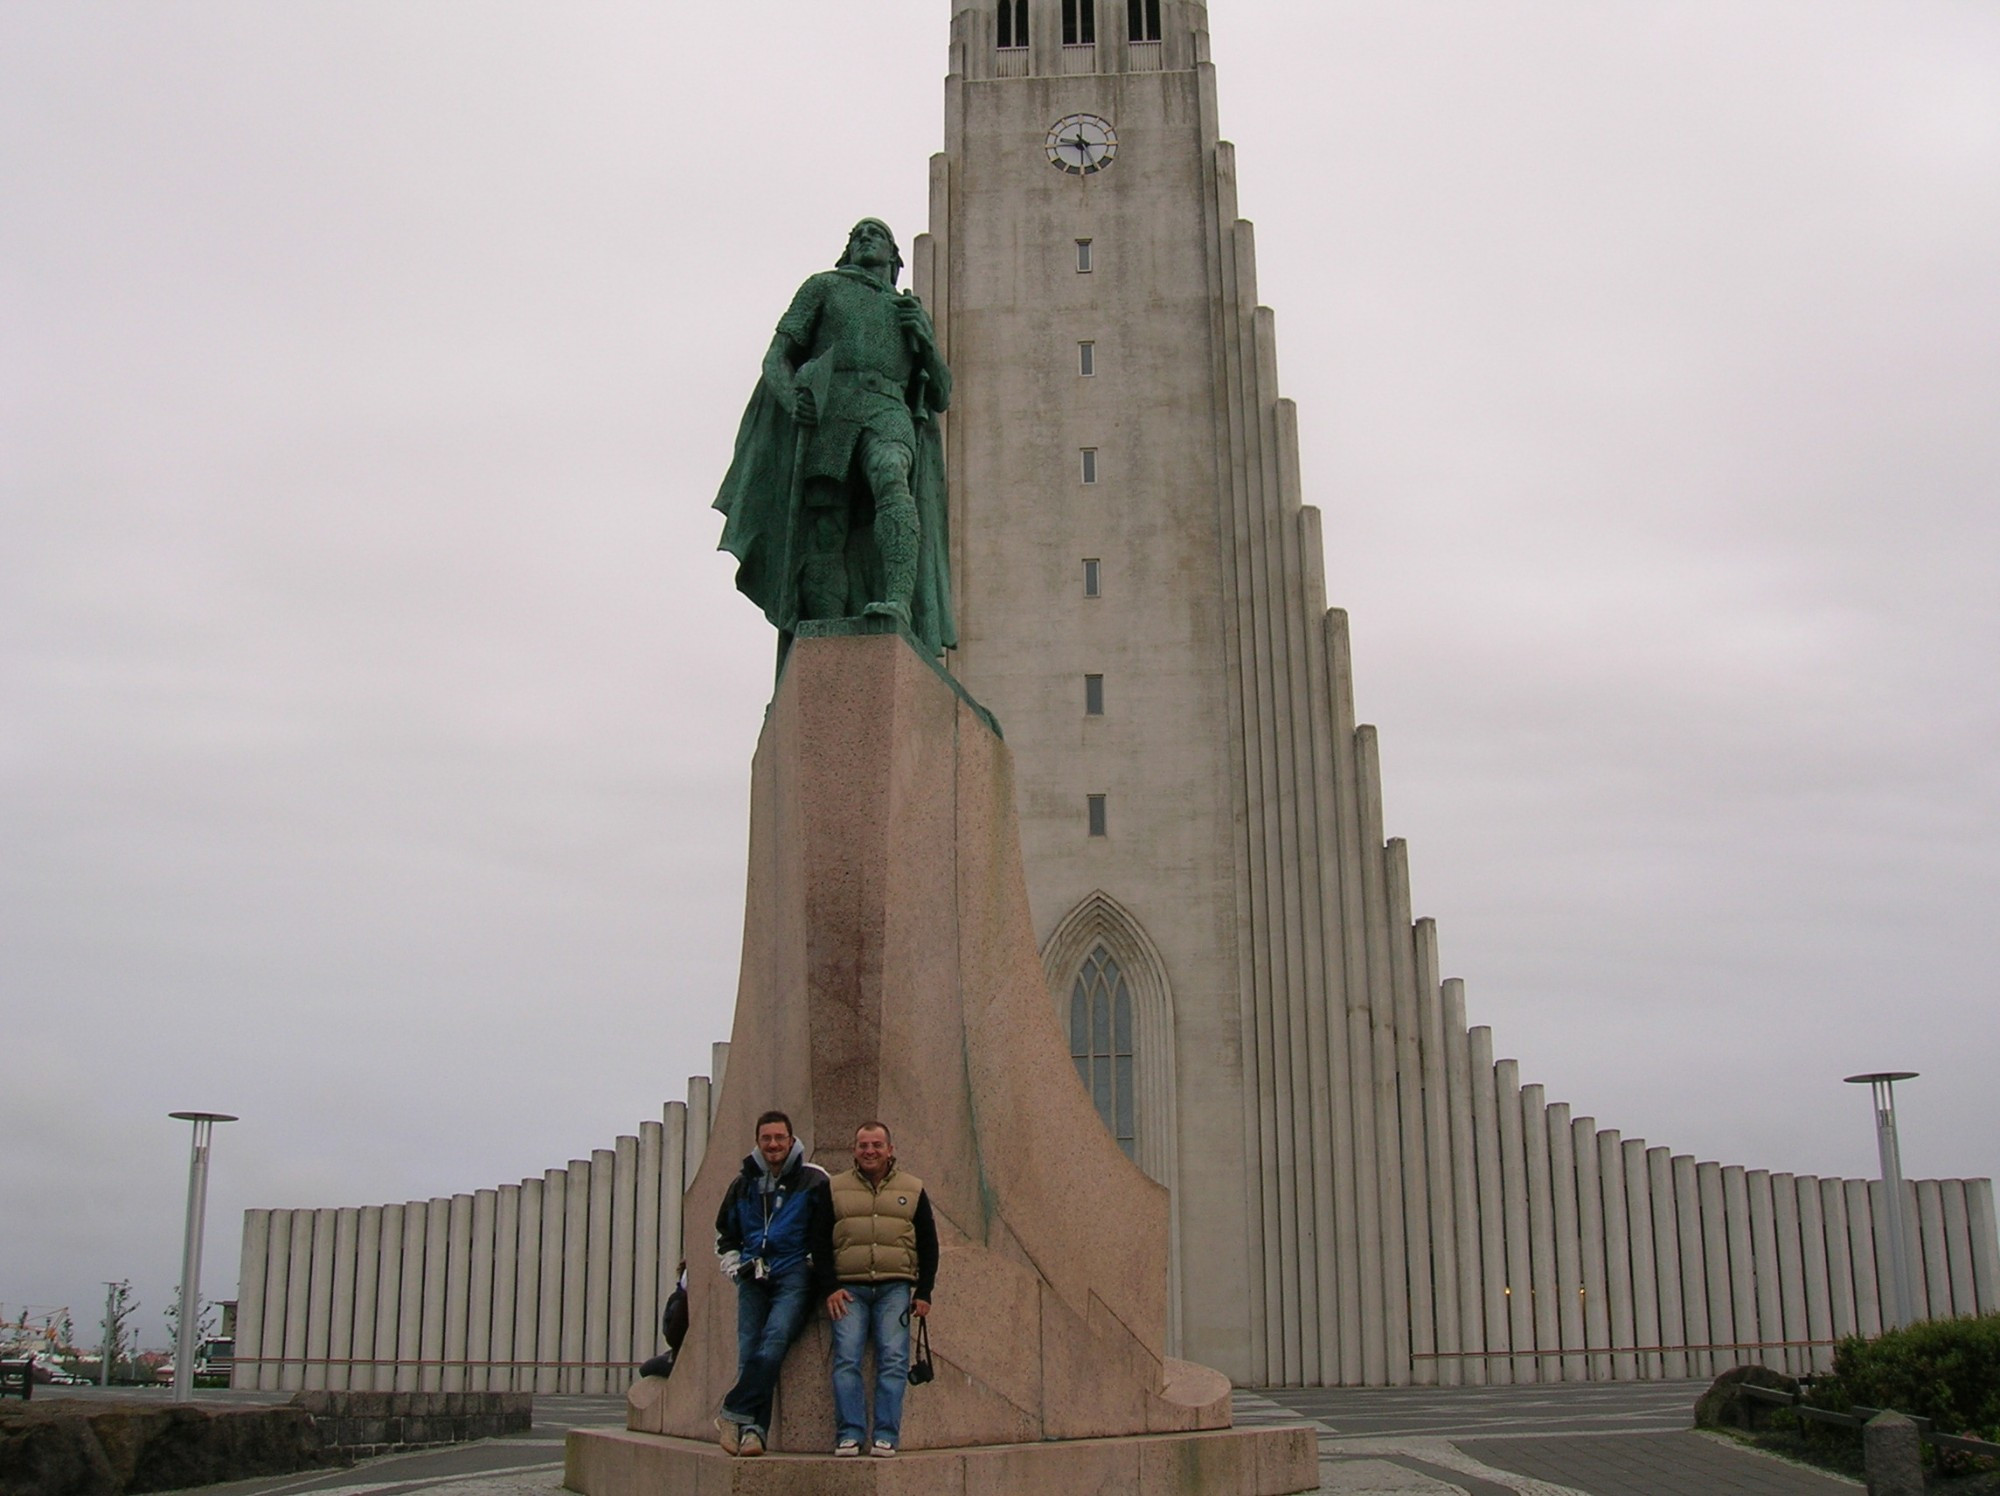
x=1881 y=1075
x=202 y=1117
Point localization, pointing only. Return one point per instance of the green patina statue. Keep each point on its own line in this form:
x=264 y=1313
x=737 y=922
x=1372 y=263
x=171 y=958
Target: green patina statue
x=834 y=503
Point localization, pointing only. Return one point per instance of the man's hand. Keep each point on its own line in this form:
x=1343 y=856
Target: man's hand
x=805 y=410
x=731 y=1264
x=911 y=318
x=837 y=1302
x=920 y=1307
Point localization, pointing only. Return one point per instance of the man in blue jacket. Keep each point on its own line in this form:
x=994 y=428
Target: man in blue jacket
x=763 y=1238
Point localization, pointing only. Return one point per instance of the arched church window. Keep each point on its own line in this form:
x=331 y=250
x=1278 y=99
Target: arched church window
x=1079 y=23
x=1013 y=23
x=1143 y=20
x=1100 y=1042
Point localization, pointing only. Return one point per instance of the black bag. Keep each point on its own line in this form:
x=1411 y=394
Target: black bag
x=674 y=1319
x=921 y=1370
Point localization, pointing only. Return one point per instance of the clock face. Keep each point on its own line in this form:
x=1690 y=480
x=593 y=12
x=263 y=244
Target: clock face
x=1082 y=143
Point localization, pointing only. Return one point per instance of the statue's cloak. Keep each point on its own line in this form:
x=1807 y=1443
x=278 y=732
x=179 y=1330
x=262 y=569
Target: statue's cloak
x=761 y=523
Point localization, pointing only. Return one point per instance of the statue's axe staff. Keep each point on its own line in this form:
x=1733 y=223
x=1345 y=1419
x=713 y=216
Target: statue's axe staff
x=814 y=379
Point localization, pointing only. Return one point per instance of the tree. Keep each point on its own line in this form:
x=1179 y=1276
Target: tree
x=204 y=1323
x=119 y=1307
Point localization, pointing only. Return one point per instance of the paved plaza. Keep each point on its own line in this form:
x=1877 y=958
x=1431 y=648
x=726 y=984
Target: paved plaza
x=1627 y=1439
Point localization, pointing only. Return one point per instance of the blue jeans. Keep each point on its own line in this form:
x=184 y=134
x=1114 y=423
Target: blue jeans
x=769 y=1316
x=879 y=1313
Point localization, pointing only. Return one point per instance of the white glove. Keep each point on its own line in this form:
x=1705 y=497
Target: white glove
x=732 y=1263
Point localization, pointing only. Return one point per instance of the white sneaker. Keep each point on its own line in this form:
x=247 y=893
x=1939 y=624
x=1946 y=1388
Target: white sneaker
x=882 y=1449
x=847 y=1447
x=731 y=1433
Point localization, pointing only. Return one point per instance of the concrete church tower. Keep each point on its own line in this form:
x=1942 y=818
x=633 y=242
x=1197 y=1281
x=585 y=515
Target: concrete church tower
x=1361 y=1193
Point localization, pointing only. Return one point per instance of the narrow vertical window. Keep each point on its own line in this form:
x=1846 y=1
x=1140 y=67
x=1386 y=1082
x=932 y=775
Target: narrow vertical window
x=1094 y=805
x=1092 y=577
x=1101 y=1047
x=1090 y=464
x=1083 y=257
x=1079 y=20
x=1093 y=696
x=1142 y=18
x=1013 y=23
x=1086 y=359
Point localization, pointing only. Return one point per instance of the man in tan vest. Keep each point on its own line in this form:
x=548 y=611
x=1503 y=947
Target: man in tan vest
x=883 y=1249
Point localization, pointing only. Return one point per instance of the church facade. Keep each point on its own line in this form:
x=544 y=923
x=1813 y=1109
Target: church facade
x=1362 y=1194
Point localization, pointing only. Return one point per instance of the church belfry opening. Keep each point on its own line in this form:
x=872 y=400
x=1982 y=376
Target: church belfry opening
x=1142 y=20
x=1014 y=23
x=1079 y=23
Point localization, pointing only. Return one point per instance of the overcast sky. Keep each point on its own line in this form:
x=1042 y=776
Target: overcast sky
x=375 y=714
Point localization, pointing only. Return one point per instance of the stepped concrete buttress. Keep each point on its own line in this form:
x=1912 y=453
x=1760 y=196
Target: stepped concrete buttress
x=890 y=971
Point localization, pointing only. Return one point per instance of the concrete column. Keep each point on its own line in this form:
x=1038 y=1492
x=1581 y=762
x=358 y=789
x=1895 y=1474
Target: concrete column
x=340 y=1329
x=298 y=1299
x=410 y=1294
x=597 y=1269
x=1791 y=1269
x=1885 y=1254
x=1931 y=1248
x=527 y=1286
x=319 y=1298
x=1958 y=1246
x=1514 y=1218
x=1645 y=1269
x=506 y=1268
x=1715 y=1266
x=1382 y=1018
x=1694 y=1279
x=277 y=1269
x=1617 y=1253
x=1464 y=1181
x=675 y=1176
x=718 y=1072
x=549 y=1303
x=1667 y=1258
x=1813 y=1269
x=1569 y=1246
x=388 y=1299
x=1590 y=1239
x=438 y=1252
x=479 y=1299
x=624 y=1241
x=252 y=1265
x=1742 y=1263
x=576 y=1270
x=1985 y=1253
x=1437 y=1157
x=1541 y=1233
x=1419 y=1321
x=1764 y=1259
x=1492 y=1301
x=646 y=1253
x=1861 y=1248
x=455 y=1312
x=1839 y=1264
x=700 y=1112
x=367 y=1281
x=1359 y=1283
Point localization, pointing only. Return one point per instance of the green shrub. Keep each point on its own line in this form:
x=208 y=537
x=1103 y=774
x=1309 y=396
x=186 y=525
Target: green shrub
x=1946 y=1370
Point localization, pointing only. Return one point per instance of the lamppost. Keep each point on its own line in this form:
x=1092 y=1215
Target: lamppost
x=1883 y=1085
x=190 y=1314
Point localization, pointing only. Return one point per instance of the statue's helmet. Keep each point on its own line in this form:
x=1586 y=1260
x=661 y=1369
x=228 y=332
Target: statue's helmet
x=847 y=253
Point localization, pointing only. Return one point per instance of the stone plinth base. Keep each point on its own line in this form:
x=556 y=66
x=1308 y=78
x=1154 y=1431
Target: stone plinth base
x=1226 y=1462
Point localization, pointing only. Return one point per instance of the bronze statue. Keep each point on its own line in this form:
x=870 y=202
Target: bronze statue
x=834 y=503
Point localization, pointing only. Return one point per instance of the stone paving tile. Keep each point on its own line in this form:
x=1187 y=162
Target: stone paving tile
x=1680 y=1464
